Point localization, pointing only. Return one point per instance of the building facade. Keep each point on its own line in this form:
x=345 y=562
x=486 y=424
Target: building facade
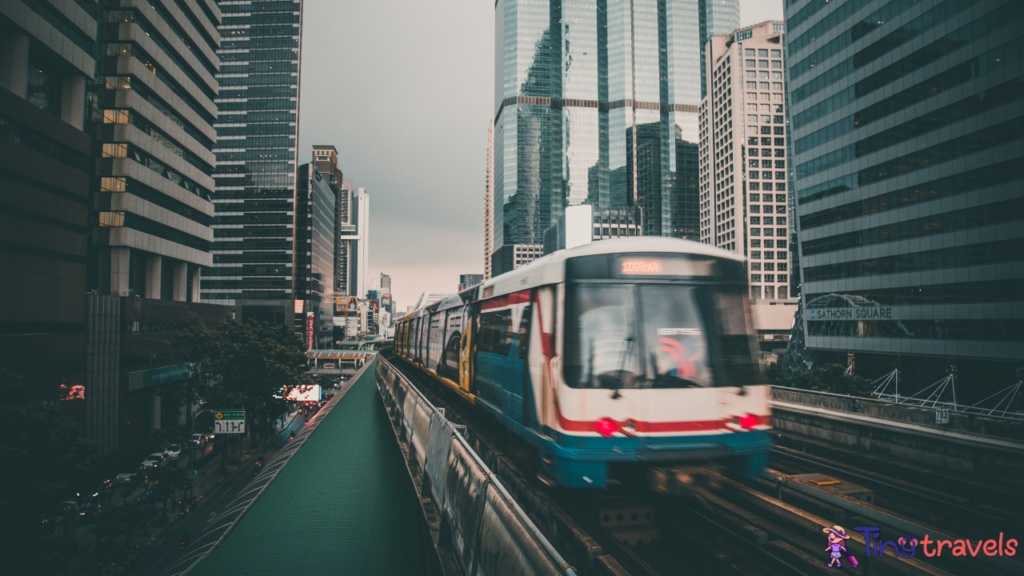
x=489 y=202
x=744 y=196
x=469 y=280
x=353 y=241
x=385 y=285
x=906 y=123
x=256 y=155
x=106 y=181
x=597 y=104
x=315 y=219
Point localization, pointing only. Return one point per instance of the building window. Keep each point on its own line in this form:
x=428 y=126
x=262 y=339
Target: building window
x=756 y=220
x=763 y=52
x=755 y=185
x=778 y=120
x=748 y=52
x=767 y=185
x=754 y=173
x=753 y=141
x=776 y=63
x=769 y=266
x=114 y=49
x=751 y=95
x=112 y=184
x=781 y=221
x=783 y=266
x=769 y=291
x=765 y=141
x=766 y=129
x=768 y=220
x=762 y=63
x=115 y=116
x=780 y=152
x=751 y=74
x=755 y=231
x=778 y=141
x=783 y=290
x=755 y=277
x=751 y=85
x=118 y=83
x=755 y=243
x=763 y=75
x=764 y=85
x=116 y=150
x=764 y=119
x=111 y=218
x=755 y=266
x=755 y=292
x=769 y=278
x=780 y=198
x=755 y=198
x=754 y=163
x=776 y=85
x=751 y=117
x=780 y=186
x=750 y=63
x=753 y=152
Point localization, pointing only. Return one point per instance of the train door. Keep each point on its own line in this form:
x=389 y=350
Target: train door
x=518 y=367
x=491 y=364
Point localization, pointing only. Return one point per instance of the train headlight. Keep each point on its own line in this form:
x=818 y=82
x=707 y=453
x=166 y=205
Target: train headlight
x=605 y=427
x=749 y=421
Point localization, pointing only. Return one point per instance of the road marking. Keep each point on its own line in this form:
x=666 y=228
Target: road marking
x=213 y=516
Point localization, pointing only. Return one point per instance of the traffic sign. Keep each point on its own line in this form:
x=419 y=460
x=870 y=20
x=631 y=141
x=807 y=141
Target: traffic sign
x=229 y=422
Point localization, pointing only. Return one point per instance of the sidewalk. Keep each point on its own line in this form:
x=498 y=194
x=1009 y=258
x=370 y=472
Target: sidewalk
x=86 y=563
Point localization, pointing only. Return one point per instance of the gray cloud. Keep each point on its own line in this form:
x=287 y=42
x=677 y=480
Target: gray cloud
x=404 y=90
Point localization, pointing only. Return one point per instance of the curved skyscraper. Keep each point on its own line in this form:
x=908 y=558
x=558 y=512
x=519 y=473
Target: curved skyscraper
x=597 y=103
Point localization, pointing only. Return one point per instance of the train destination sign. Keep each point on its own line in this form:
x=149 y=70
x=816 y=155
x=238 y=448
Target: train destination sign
x=872 y=313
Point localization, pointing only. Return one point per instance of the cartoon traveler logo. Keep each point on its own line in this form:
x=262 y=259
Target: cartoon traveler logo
x=836 y=547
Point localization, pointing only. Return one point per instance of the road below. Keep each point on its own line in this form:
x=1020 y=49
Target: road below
x=166 y=547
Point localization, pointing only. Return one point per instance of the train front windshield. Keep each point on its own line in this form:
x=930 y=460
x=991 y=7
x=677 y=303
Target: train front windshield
x=658 y=335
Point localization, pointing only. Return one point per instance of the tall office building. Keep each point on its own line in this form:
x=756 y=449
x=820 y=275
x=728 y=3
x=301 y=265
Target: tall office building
x=315 y=221
x=744 y=200
x=353 y=241
x=907 y=123
x=385 y=284
x=469 y=280
x=106 y=129
x=592 y=105
x=256 y=154
x=489 y=202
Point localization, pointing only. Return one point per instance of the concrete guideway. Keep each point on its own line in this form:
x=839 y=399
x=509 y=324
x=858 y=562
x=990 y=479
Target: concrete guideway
x=335 y=501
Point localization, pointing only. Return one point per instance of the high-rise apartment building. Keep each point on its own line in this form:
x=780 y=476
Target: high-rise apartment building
x=906 y=122
x=744 y=201
x=597 y=104
x=256 y=154
x=385 y=284
x=489 y=202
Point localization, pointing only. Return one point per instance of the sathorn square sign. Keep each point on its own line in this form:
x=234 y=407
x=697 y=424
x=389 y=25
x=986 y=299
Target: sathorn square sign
x=868 y=313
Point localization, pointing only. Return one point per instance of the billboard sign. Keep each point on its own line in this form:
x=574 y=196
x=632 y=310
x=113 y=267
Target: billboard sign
x=346 y=305
x=143 y=379
x=313 y=393
x=310 y=343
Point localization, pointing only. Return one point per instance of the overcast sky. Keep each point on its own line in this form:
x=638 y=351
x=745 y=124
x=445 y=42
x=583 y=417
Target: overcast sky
x=404 y=90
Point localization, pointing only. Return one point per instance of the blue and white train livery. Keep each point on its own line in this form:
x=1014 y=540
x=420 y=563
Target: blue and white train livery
x=618 y=352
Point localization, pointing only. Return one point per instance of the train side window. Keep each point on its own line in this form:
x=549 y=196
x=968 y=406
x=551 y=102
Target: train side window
x=524 y=331
x=495 y=332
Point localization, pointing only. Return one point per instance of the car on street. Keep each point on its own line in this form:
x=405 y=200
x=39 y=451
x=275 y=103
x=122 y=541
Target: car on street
x=158 y=456
x=173 y=451
x=105 y=486
x=150 y=464
x=125 y=478
x=198 y=439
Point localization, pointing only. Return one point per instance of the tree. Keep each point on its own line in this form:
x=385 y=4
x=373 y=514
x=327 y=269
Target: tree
x=246 y=367
x=829 y=378
x=42 y=455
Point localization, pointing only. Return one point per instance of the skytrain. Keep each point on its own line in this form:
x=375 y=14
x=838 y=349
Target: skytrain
x=614 y=355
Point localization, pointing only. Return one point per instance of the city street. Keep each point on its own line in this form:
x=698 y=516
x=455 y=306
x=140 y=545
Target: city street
x=216 y=491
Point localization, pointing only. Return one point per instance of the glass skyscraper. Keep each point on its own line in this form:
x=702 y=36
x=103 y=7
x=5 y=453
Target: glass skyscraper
x=906 y=121
x=257 y=134
x=597 y=103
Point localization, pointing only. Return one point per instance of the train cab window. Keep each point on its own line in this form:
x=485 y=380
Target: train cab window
x=495 y=334
x=735 y=349
x=601 y=348
x=674 y=337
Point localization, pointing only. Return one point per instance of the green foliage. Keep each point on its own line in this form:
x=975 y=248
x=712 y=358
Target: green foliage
x=246 y=367
x=42 y=455
x=828 y=378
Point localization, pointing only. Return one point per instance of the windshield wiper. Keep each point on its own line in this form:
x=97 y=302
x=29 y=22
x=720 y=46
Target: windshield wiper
x=622 y=367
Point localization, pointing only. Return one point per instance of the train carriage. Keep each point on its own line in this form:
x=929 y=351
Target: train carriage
x=635 y=350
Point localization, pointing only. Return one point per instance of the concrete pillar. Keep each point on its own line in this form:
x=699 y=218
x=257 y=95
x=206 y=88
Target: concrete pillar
x=120 y=270
x=153 y=267
x=14 y=62
x=195 y=284
x=156 y=411
x=72 y=100
x=180 y=282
